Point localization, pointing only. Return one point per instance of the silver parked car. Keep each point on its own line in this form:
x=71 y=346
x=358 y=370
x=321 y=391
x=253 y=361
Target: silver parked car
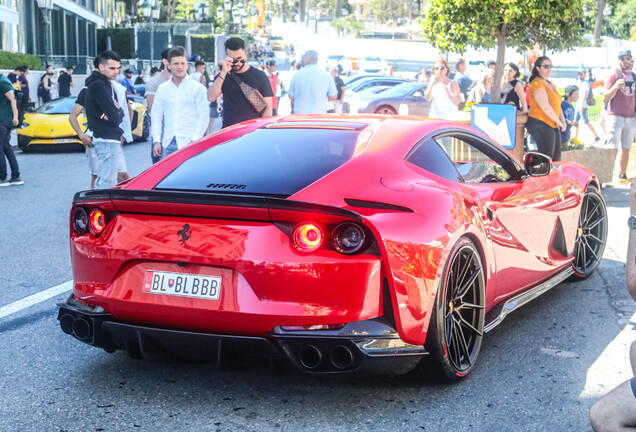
x=406 y=98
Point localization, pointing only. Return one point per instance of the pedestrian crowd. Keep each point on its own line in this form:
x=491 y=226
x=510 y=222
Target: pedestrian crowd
x=238 y=92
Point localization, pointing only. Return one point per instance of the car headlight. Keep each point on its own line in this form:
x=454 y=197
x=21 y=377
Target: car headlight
x=24 y=125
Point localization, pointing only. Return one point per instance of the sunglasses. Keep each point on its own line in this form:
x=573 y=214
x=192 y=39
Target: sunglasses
x=546 y=66
x=439 y=68
x=237 y=61
x=626 y=59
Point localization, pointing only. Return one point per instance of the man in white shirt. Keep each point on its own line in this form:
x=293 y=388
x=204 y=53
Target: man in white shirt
x=180 y=110
x=311 y=88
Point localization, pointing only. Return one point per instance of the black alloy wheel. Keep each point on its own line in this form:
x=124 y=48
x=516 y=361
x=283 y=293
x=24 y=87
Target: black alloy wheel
x=591 y=235
x=386 y=109
x=457 y=323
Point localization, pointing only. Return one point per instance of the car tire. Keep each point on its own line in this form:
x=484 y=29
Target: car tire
x=386 y=109
x=591 y=235
x=456 y=328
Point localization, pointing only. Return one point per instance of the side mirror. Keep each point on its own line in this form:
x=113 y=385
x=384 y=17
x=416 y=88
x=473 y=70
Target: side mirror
x=537 y=164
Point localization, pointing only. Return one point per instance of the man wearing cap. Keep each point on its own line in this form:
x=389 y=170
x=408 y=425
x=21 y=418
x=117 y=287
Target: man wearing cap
x=127 y=82
x=619 y=100
x=571 y=96
x=275 y=82
x=311 y=89
x=585 y=89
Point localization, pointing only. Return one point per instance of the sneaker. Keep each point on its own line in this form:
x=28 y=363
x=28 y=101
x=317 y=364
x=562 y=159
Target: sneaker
x=597 y=139
x=16 y=181
x=623 y=178
x=4 y=182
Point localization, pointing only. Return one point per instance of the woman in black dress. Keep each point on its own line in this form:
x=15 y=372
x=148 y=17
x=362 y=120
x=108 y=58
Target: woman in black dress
x=512 y=88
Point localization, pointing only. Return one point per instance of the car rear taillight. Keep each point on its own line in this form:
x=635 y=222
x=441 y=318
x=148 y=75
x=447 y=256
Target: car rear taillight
x=307 y=237
x=348 y=238
x=80 y=221
x=96 y=221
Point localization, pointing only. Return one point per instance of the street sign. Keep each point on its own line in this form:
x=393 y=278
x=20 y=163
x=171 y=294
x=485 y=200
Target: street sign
x=497 y=121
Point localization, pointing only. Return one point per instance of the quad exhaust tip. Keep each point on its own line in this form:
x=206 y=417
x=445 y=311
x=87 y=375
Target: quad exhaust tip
x=312 y=357
x=341 y=357
x=76 y=327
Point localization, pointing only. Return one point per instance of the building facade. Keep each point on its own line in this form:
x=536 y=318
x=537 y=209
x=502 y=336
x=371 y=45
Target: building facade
x=73 y=29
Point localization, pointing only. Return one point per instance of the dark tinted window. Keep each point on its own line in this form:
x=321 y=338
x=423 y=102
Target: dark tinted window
x=57 y=106
x=430 y=156
x=266 y=161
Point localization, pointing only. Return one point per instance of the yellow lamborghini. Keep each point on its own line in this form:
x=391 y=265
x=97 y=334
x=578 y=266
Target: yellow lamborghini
x=48 y=128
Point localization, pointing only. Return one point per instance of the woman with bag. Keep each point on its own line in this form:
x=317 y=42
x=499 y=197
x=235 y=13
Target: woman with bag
x=586 y=99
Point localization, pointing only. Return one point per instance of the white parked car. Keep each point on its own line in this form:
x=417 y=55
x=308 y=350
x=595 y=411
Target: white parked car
x=371 y=64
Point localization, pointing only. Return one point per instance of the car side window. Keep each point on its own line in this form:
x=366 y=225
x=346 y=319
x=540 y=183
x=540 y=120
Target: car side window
x=472 y=164
x=428 y=155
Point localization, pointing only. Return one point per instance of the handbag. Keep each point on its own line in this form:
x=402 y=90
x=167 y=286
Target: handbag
x=253 y=96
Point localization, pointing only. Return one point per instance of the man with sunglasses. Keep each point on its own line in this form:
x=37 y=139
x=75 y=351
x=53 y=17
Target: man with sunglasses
x=619 y=100
x=236 y=70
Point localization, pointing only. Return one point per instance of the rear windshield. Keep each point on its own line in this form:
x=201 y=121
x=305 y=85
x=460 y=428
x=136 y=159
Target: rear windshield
x=278 y=162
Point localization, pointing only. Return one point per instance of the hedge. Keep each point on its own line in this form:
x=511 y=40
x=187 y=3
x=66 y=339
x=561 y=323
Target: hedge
x=121 y=40
x=9 y=60
x=201 y=44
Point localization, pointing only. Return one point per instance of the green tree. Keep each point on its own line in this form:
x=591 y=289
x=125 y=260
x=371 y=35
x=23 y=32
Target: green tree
x=454 y=25
x=622 y=23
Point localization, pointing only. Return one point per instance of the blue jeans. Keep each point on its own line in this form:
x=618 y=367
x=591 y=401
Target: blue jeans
x=107 y=153
x=5 y=145
x=167 y=151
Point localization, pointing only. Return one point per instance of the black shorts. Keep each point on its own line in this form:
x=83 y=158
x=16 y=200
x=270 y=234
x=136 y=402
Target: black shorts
x=632 y=382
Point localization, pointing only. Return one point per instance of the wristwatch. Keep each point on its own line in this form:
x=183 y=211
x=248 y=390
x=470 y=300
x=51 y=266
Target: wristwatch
x=631 y=222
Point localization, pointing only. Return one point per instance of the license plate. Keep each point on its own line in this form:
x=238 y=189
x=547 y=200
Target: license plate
x=64 y=141
x=182 y=285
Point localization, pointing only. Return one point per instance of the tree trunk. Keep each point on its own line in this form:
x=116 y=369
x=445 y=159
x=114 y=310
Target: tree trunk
x=284 y=10
x=338 y=12
x=599 y=23
x=495 y=88
x=392 y=12
x=302 y=7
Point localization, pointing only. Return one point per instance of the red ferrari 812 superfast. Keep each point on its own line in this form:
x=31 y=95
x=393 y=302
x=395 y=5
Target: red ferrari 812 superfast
x=341 y=243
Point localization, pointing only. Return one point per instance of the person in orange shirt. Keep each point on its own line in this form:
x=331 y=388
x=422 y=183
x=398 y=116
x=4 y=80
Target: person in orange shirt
x=545 y=121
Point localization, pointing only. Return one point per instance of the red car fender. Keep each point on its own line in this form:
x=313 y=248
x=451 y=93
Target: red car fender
x=414 y=261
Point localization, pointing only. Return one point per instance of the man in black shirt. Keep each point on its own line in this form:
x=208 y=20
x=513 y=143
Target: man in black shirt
x=13 y=76
x=140 y=78
x=103 y=116
x=236 y=107
x=65 y=82
x=340 y=87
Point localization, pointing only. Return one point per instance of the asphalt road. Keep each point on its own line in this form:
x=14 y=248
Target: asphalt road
x=541 y=370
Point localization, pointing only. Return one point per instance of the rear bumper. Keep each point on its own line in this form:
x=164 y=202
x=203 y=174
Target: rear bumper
x=369 y=346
